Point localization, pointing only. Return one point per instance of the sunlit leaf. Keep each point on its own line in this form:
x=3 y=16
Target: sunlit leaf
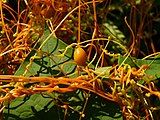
x=43 y=61
x=46 y=62
x=103 y=71
x=153 y=65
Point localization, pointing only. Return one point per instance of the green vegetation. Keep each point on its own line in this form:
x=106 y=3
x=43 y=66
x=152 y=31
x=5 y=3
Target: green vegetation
x=79 y=59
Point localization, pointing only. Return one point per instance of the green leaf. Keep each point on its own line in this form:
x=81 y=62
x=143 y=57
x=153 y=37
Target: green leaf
x=28 y=107
x=101 y=109
x=103 y=72
x=153 y=65
x=96 y=108
x=47 y=62
x=129 y=60
x=45 y=59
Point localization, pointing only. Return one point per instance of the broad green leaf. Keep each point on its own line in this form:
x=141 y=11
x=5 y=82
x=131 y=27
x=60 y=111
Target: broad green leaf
x=46 y=61
x=130 y=60
x=101 y=109
x=28 y=107
x=97 y=108
x=103 y=72
x=153 y=65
